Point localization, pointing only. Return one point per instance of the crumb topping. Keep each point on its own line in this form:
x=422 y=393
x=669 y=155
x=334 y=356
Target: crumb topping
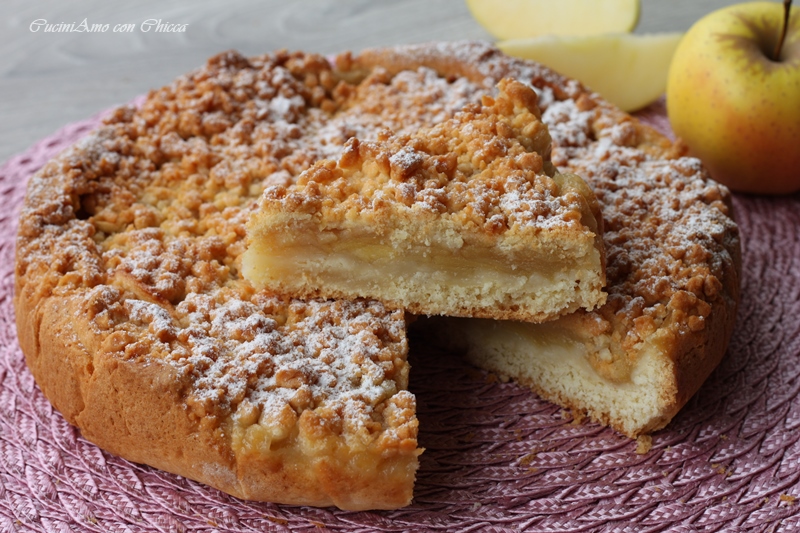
x=668 y=230
x=487 y=169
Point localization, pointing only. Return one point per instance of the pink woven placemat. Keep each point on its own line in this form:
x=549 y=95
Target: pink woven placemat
x=497 y=457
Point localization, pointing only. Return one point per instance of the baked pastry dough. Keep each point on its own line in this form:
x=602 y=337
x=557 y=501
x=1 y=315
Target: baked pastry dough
x=138 y=326
x=466 y=218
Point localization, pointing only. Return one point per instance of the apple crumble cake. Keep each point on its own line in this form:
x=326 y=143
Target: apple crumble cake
x=466 y=218
x=139 y=327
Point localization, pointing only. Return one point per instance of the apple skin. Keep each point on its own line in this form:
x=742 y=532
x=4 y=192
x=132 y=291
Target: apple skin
x=735 y=108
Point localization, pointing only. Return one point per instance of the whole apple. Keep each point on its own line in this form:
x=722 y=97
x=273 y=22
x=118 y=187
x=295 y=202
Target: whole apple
x=734 y=103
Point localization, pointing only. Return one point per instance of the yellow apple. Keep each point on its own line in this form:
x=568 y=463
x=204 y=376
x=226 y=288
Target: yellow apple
x=626 y=69
x=515 y=19
x=735 y=105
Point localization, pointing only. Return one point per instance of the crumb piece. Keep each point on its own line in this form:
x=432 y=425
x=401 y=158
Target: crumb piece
x=722 y=470
x=643 y=444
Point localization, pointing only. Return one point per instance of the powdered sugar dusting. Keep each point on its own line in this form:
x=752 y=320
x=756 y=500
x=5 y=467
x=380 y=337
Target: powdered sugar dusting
x=161 y=323
x=668 y=232
x=401 y=104
x=332 y=351
x=406 y=157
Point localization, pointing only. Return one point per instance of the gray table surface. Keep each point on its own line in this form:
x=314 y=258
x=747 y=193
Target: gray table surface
x=50 y=79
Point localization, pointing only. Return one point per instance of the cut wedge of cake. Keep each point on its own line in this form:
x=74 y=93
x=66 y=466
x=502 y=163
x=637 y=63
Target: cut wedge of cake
x=467 y=218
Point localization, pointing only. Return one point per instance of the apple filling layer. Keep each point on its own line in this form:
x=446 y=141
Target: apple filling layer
x=468 y=218
x=468 y=281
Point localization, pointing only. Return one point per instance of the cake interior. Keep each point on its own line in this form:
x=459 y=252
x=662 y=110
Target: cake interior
x=441 y=279
x=565 y=365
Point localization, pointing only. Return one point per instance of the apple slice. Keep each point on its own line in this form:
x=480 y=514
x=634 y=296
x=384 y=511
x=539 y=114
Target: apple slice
x=517 y=19
x=626 y=69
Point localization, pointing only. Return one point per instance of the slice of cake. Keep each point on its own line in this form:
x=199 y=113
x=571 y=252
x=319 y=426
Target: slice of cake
x=467 y=218
x=673 y=258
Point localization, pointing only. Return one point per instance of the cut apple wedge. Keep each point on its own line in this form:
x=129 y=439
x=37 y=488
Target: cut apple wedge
x=628 y=70
x=518 y=19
